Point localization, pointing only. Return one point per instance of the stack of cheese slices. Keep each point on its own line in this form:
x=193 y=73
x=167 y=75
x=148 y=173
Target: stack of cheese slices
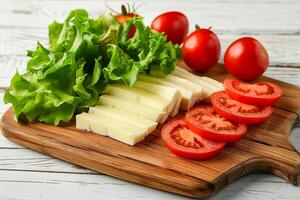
x=129 y=114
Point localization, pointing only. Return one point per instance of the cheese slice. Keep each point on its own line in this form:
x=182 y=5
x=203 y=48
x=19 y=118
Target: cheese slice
x=209 y=85
x=196 y=89
x=191 y=93
x=136 y=108
x=167 y=92
x=101 y=125
x=124 y=117
x=186 y=94
x=138 y=96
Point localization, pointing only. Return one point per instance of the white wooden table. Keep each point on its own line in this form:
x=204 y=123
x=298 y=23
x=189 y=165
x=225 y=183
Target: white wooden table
x=27 y=175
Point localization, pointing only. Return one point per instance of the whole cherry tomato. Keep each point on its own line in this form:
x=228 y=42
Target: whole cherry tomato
x=174 y=24
x=246 y=58
x=124 y=16
x=201 y=49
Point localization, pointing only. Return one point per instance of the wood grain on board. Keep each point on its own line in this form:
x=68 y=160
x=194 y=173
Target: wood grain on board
x=265 y=148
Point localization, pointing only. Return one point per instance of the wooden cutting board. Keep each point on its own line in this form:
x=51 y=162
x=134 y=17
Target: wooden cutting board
x=265 y=148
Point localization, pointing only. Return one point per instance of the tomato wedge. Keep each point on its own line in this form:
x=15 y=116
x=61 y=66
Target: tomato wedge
x=204 y=121
x=261 y=93
x=237 y=111
x=181 y=141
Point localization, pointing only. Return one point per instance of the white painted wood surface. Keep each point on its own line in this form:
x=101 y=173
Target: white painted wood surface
x=27 y=175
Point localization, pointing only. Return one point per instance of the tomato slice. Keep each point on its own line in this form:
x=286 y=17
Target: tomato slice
x=237 y=111
x=261 y=93
x=204 y=121
x=181 y=141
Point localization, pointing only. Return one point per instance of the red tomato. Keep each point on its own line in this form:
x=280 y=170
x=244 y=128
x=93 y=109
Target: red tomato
x=237 y=111
x=174 y=24
x=201 y=49
x=261 y=93
x=123 y=18
x=181 y=141
x=246 y=58
x=204 y=121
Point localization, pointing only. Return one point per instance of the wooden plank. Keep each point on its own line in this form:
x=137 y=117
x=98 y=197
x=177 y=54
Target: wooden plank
x=7 y=144
x=18 y=185
x=283 y=49
x=3 y=107
x=285 y=74
x=25 y=159
x=9 y=66
x=16 y=41
x=36 y=14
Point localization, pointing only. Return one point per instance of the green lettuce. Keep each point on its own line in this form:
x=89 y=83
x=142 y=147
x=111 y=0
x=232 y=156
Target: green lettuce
x=85 y=55
x=47 y=96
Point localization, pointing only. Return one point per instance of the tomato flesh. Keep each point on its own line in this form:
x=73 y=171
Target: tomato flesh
x=204 y=121
x=181 y=141
x=237 y=111
x=261 y=93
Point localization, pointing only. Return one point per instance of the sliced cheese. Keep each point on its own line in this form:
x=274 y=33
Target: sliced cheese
x=196 y=89
x=138 y=96
x=167 y=92
x=124 y=117
x=83 y=123
x=191 y=93
x=134 y=107
x=187 y=95
x=209 y=85
x=114 y=129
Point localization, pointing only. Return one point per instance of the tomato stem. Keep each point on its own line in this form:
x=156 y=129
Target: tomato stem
x=124 y=10
x=198 y=27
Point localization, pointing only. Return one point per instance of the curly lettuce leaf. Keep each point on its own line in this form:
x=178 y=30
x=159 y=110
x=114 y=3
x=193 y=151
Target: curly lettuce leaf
x=120 y=67
x=39 y=58
x=64 y=36
x=84 y=56
x=138 y=54
x=61 y=80
x=39 y=95
x=148 y=47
